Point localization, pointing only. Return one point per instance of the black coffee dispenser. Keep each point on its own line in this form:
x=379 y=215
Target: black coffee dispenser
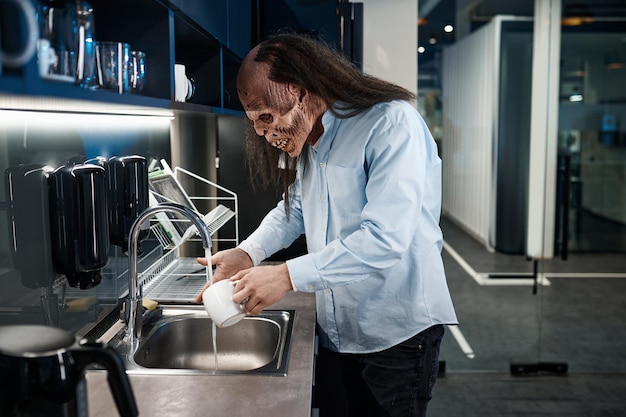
x=78 y=223
x=29 y=224
x=128 y=197
x=42 y=372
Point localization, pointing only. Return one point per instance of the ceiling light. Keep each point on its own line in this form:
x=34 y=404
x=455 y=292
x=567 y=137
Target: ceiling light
x=576 y=15
x=576 y=97
x=613 y=61
x=421 y=49
x=576 y=20
x=615 y=65
x=448 y=28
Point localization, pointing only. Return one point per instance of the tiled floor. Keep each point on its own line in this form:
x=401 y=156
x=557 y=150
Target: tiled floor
x=575 y=317
x=503 y=395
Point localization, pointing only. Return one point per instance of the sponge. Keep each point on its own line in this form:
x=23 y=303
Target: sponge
x=149 y=304
x=81 y=304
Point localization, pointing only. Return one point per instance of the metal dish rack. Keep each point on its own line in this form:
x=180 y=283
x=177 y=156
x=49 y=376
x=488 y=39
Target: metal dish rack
x=165 y=275
x=172 y=277
x=168 y=234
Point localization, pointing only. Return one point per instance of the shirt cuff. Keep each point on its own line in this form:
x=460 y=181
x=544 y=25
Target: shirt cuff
x=300 y=272
x=254 y=251
x=257 y=254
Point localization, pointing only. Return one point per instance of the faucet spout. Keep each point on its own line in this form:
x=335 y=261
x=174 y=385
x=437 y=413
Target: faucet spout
x=134 y=301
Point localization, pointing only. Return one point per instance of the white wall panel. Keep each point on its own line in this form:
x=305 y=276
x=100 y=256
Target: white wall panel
x=390 y=41
x=469 y=91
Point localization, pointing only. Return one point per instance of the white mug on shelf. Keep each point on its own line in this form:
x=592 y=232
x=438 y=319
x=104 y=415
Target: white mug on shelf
x=19 y=58
x=184 y=87
x=45 y=58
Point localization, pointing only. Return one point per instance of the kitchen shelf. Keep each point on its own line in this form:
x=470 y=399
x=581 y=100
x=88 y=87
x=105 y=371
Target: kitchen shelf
x=167 y=32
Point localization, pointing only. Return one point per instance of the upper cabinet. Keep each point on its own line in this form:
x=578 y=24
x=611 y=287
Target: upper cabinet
x=208 y=37
x=229 y=21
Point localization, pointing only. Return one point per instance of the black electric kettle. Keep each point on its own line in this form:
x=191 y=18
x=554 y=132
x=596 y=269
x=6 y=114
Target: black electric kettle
x=42 y=370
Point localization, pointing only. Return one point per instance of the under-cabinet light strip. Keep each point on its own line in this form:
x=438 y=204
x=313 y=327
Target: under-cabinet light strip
x=53 y=104
x=85 y=120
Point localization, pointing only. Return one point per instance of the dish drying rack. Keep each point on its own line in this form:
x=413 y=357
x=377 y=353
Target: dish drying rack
x=166 y=185
x=165 y=275
x=172 y=277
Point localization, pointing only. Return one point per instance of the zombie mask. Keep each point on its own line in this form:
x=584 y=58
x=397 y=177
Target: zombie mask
x=287 y=116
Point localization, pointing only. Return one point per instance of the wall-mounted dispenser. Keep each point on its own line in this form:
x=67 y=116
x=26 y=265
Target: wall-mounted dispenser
x=127 y=178
x=29 y=230
x=79 y=223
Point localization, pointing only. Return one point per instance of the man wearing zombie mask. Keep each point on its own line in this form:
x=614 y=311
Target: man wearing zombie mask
x=362 y=180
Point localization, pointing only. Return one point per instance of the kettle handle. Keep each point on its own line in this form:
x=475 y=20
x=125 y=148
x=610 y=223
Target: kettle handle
x=92 y=352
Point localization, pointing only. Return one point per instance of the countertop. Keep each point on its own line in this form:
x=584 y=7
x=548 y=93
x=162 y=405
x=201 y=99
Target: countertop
x=225 y=395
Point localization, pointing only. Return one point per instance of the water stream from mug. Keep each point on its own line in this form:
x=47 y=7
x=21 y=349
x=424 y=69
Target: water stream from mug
x=209 y=278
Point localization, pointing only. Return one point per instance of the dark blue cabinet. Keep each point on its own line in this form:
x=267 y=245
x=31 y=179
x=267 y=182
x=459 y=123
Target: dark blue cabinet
x=229 y=21
x=195 y=33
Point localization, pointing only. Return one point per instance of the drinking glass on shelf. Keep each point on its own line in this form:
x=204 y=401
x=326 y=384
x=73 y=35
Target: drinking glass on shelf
x=138 y=72
x=114 y=64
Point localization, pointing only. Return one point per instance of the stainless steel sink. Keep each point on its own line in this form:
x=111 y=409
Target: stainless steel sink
x=181 y=342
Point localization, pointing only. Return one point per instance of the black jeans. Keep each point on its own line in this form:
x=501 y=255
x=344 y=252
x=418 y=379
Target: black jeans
x=396 y=382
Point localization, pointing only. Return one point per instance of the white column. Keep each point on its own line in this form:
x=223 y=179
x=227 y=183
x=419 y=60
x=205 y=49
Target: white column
x=544 y=129
x=390 y=41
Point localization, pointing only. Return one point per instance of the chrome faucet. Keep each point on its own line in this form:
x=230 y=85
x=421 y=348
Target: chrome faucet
x=134 y=301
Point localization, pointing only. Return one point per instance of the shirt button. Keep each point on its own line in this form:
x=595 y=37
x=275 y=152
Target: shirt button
x=309 y=287
x=322 y=197
x=322 y=164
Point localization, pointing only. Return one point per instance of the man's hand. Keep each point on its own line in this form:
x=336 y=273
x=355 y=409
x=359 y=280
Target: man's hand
x=261 y=286
x=227 y=263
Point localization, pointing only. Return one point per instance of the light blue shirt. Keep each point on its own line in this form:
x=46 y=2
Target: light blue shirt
x=368 y=200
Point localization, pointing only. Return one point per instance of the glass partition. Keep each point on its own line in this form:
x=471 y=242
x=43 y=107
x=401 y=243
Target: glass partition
x=485 y=146
x=582 y=315
x=529 y=112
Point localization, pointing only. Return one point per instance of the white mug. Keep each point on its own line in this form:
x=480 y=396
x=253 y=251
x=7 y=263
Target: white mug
x=184 y=87
x=19 y=58
x=218 y=302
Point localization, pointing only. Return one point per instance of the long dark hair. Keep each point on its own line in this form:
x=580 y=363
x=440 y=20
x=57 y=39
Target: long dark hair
x=323 y=70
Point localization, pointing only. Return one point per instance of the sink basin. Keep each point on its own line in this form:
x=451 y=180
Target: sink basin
x=182 y=342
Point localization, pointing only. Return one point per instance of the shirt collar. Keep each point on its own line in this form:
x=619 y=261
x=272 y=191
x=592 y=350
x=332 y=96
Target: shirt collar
x=330 y=123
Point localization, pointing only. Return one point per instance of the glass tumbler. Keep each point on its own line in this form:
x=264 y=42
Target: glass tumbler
x=138 y=72
x=114 y=65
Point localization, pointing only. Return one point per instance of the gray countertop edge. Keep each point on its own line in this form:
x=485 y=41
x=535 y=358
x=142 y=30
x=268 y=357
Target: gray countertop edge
x=225 y=395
